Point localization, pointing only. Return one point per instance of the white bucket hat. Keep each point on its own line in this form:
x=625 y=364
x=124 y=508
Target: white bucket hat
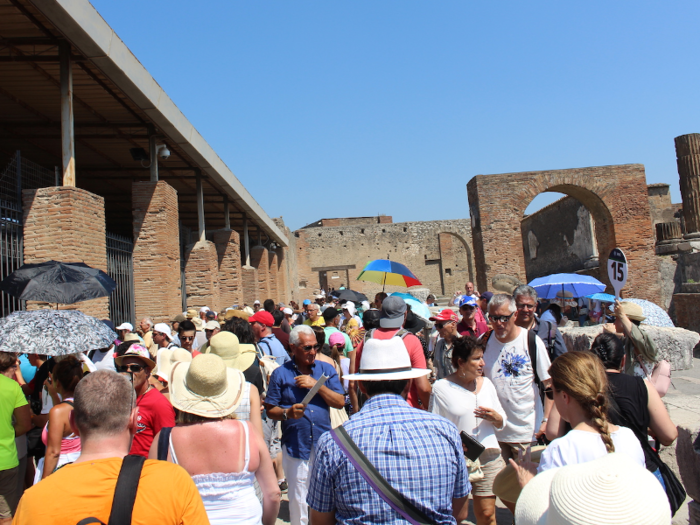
x=609 y=490
x=386 y=360
x=206 y=387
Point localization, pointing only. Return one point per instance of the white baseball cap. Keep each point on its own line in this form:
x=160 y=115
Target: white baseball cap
x=256 y=302
x=163 y=329
x=287 y=311
x=203 y=309
x=126 y=326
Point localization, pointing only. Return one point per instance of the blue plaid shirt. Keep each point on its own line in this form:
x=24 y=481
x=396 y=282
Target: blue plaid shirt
x=418 y=453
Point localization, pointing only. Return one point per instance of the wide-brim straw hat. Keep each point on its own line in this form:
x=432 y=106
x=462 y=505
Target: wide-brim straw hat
x=165 y=359
x=386 y=360
x=138 y=352
x=610 y=490
x=237 y=313
x=206 y=387
x=234 y=354
x=632 y=310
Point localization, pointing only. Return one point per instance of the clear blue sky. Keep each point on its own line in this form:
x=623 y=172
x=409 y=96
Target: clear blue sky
x=334 y=109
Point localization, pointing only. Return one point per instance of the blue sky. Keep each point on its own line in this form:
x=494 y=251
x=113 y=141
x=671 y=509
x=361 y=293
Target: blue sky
x=334 y=109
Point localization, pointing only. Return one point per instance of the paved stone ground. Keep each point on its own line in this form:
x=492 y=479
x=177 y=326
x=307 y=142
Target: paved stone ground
x=683 y=404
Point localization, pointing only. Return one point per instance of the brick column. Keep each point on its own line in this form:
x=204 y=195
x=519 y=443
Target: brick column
x=282 y=284
x=66 y=224
x=156 y=251
x=259 y=260
x=228 y=251
x=688 y=160
x=273 y=276
x=202 y=275
x=249 y=281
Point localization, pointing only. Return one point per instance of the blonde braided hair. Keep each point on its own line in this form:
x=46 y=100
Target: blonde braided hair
x=582 y=376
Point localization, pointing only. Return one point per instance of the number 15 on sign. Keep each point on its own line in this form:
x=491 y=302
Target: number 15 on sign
x=617 y=270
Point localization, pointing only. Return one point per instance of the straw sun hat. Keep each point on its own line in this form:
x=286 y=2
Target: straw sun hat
x=607 y=491
x=166 y=357
x=206 y=387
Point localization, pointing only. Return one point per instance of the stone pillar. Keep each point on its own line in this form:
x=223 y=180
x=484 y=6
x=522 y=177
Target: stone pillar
x=228 y=250
x=260 y=261
x=273 y=277
x=156 y=251
x=202 y=275
x=65 y=223
x=282 y=281
x=688 y=160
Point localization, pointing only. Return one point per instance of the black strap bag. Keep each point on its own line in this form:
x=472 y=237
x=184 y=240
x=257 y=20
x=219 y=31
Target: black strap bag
x=124 y=493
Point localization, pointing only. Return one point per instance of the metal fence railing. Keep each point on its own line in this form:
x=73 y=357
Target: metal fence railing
x=23 y=174
x=11 y=256
x=120 y=267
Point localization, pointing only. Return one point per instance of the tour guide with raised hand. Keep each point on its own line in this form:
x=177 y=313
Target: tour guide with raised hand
x=105 y=416
x=509 y=367
x=628 y=316
x=417 y=453
x=302 y=426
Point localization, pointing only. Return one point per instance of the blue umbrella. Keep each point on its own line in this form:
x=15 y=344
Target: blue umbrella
x=605 y=297
x=417 y=307
x=577 y=285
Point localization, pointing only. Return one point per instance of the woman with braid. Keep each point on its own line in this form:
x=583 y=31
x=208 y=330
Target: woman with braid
x=579 y=389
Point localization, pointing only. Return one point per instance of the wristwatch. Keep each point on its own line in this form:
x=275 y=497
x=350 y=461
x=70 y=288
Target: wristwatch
x=284 y=415
x=545 y=419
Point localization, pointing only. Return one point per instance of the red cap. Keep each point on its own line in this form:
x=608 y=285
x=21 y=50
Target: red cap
x=445 y=315
x=262 y=316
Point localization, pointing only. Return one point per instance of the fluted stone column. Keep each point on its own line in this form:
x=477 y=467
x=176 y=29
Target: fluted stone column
x=688 y=159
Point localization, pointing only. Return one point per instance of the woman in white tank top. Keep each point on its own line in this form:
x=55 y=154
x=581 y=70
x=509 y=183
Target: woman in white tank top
x=224 y=456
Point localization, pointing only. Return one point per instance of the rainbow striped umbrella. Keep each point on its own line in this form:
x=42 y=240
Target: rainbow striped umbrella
x=384 y=271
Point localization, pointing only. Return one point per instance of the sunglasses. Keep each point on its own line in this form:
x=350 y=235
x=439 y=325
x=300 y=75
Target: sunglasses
x=525 y=306
x=133 y=369
x=187 y=338
x=549 y=393
x=500 y=318
x=308 y=348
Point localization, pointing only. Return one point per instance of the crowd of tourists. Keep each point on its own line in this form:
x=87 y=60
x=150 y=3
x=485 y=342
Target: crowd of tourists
x=362 y=412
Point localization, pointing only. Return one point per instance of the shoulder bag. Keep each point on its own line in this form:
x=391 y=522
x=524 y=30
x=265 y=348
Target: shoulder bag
x=124 y=493
x=389 y=494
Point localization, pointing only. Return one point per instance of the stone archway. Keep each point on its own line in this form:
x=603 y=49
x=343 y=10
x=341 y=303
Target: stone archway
x=616 y=197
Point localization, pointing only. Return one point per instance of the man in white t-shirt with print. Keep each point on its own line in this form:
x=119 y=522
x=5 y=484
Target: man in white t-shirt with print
x=508 y=366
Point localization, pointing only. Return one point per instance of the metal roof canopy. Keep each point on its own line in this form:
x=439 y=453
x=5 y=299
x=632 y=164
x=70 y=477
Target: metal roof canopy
x=115 y=100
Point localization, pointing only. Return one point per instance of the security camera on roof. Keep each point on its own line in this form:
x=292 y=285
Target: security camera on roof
x=162 y=151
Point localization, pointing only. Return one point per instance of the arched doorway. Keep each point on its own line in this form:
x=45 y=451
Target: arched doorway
x=456 y=266
x=616 y=197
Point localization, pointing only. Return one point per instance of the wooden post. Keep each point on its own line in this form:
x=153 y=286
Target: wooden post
x=227 y=218
x=200 y=208
x=67 y=128
x=246 y=240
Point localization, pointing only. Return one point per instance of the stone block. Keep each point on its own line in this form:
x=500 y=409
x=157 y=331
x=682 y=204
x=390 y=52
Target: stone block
x=688 y=460
x=686 y=307
x=676 y=345
x=228 y=251
x=202 y=275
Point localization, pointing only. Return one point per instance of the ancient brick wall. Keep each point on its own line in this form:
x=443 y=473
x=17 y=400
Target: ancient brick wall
x=228 y=251
x=415 y=244
x=559 y=238
x=66 y=224
x=616 y=196
x=156 y=251
x=249 y=280
x=273 y=277
x=202 y=275
x=351 y=221
x=260 y=260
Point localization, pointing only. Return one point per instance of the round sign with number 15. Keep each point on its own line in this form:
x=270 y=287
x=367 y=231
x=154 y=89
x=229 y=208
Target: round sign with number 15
x=617 y=270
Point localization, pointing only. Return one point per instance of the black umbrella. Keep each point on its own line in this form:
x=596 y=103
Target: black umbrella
x=349 y=295
x=57 y=282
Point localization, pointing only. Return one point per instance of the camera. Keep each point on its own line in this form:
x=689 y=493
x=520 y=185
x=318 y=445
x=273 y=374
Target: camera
x=162 y=151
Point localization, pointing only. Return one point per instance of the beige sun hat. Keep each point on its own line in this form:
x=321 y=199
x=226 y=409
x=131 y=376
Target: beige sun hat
x=206 y=387
x=632 y=310
x=234 y=354
x=165 y=359
x=506 y=485
x=607 y=491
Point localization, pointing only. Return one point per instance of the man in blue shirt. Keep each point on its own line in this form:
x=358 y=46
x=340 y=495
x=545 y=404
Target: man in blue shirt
x=418 y=453
x=261 y=322
x=302 y=425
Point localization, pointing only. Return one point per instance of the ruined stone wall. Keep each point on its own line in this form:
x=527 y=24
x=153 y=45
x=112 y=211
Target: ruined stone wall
x=437 y=252
x=559 y=238
x=660 y=205
x=350 y=221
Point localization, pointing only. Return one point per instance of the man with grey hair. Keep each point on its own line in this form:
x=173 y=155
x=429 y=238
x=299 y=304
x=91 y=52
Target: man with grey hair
x=302 y=425
x=526 y=302
x=105 y=416
x=509 y=352
x=145 y=330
